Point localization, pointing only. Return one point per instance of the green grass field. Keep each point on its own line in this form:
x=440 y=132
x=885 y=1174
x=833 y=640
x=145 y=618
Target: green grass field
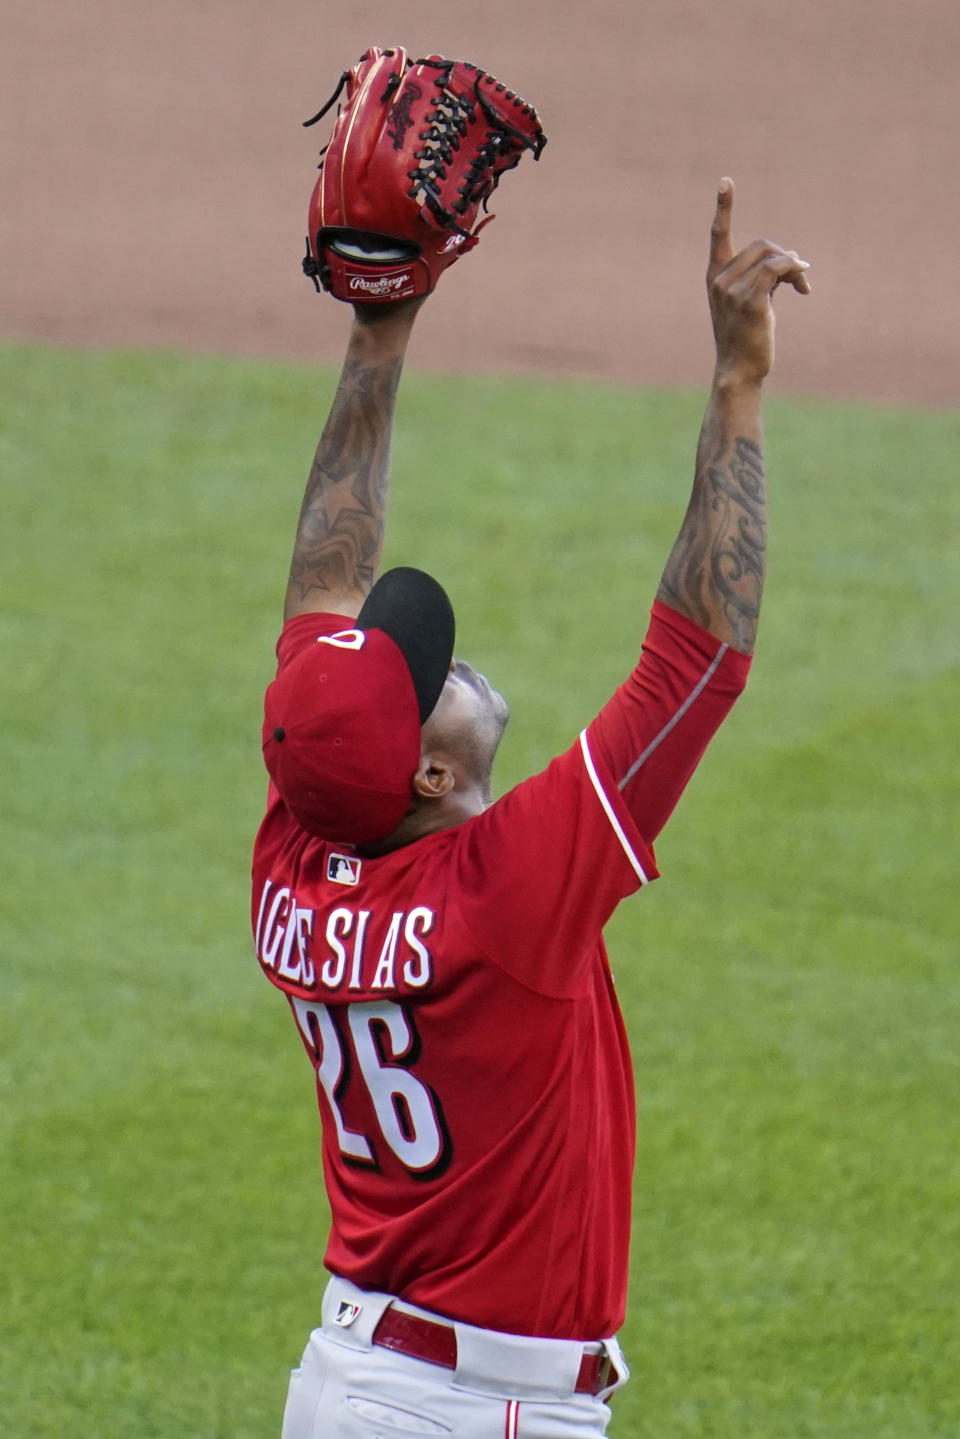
x=791 y=986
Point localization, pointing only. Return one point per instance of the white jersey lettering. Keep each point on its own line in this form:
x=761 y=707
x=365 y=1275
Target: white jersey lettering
x=297 y=938
x=424 y=919
x=286 y=938
x=383 y=977
x=275 y=928
x=356 y=968
x=268 y=886
x=339 y=921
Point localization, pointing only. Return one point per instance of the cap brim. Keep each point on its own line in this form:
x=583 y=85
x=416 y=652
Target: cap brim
x=414 y=610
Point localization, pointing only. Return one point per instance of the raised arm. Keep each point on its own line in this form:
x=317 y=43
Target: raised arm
x=715 y=572
x=339 y=543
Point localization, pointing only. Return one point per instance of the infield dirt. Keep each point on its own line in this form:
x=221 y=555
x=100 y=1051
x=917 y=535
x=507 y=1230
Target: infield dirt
x=156 y=179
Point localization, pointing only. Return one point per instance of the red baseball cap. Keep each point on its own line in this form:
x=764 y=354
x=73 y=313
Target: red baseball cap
x=341 y=732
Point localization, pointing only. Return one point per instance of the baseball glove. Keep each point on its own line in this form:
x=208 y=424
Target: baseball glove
x=417 y=148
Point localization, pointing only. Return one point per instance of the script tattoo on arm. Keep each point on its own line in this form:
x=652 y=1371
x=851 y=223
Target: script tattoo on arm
x=341 y=529
x=716 y=569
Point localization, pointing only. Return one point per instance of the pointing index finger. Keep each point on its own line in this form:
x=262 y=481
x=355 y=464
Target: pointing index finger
x=721 y=231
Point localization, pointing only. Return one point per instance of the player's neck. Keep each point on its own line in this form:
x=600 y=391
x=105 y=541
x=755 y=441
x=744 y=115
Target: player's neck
x=430 y=817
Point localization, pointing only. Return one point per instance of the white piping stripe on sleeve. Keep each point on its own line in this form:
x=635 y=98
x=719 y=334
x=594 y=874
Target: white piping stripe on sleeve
x=608 y=809
x=698 y=689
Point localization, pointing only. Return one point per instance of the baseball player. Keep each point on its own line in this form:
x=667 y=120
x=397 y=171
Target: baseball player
x=442 y=952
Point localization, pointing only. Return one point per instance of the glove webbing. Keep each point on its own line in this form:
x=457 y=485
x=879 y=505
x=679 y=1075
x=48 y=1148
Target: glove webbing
x=446 y=126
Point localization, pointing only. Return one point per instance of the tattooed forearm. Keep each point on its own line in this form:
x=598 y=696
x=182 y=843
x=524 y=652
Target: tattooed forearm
x=340 y=534
x=715 y=572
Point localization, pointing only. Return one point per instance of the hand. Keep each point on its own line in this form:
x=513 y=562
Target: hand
x=740 y=287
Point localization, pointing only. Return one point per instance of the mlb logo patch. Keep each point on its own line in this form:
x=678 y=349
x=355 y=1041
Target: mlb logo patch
x=343 y=869
x=346 y=1314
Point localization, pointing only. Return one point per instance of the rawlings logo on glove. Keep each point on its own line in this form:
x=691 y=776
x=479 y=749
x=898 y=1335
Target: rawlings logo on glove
x=384 y=288
x=417 y=148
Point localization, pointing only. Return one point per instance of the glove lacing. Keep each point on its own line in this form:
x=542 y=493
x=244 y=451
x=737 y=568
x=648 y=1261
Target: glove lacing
x=446 y=127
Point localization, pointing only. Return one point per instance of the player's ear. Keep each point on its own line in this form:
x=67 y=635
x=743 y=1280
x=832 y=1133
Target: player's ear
x=433 y=778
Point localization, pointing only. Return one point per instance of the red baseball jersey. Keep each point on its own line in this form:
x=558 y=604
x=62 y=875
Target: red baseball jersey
x=455 y=1000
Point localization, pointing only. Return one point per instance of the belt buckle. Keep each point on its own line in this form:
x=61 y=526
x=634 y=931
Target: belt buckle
x=605 y=1371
